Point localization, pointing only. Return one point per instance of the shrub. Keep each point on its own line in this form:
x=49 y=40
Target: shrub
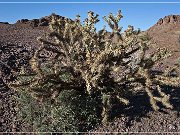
x=107 y=65
x=71 y=113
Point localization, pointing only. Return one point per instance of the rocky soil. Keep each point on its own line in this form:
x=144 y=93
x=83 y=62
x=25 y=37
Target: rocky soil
x=18 y=43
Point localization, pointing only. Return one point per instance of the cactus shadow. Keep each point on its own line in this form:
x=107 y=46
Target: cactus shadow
x=175 y=97
x=140 y=106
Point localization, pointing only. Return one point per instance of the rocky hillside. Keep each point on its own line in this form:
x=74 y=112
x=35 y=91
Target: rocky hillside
x=166 y=33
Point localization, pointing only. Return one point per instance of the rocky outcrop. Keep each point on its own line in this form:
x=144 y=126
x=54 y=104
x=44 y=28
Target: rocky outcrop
x=169 y=19
x=44 y=21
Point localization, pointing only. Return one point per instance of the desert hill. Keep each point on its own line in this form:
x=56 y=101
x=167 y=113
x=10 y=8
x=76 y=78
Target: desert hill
x=18 y=43
x=166 y=33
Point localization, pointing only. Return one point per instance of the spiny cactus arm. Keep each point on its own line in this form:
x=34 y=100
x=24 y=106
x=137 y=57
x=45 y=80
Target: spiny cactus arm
x=62 y=50
x=127 y=54
x=99 y=60
x=89 y=22
x=131 y=39
x=56 y=35
x=68 y=36
x=47 y=42
x=49 y=46
x=78 y=20
x=130 y=32
x=120 y=80
x=54 y=50
x=136 y=86
x=58 y=55
x=60 y=43
x=74 y=33
x=113 y=21
x=92 y=18
x=171 y=81
x=106 y=100
x=141 y=61
x=98 y=71
x=67 y=29
x=149 y=81
x=123 y=100
x=152 y=100
x=35 y=65
x=164 y=99
x=98 y=66
x=107 y=55
x=109 y=22
x=87 y=76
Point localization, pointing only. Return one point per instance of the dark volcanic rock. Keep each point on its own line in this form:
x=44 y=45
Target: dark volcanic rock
x=22 y=21
x=34 y=22
x=8 y=113
x=13 y=57
x=44 y=21
x=168 y=19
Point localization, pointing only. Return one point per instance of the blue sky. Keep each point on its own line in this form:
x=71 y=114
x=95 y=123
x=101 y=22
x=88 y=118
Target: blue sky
x=139 y=15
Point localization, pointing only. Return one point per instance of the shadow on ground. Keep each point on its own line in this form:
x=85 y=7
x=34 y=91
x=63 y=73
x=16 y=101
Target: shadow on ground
x=140 y=106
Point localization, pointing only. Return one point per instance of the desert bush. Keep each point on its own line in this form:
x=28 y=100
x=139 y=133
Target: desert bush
x=71 y=113
x=108 y=65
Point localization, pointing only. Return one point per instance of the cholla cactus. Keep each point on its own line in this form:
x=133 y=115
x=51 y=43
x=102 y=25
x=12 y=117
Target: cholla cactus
x=85 y=60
